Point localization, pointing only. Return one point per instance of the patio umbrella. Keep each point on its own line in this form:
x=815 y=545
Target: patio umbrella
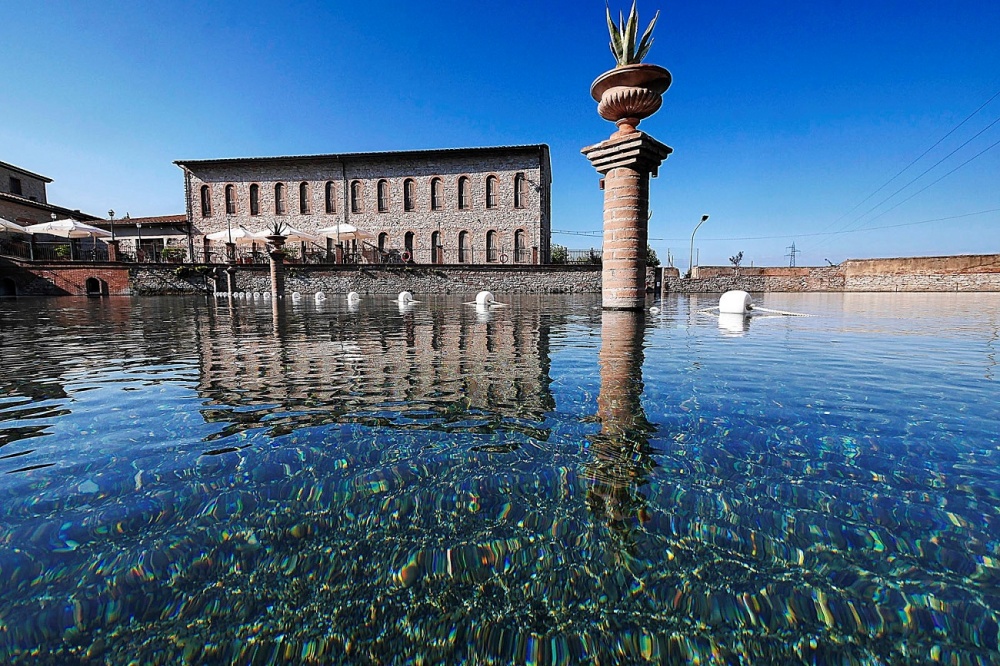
x=345 y=231
x=240 y=234
x=68 y=228
x=8 y=226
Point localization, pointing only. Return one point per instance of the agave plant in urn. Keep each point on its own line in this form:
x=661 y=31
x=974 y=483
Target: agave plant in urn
x=632 y=90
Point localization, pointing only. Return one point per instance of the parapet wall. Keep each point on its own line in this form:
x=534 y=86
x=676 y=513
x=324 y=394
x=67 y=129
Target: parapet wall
x=979 y=272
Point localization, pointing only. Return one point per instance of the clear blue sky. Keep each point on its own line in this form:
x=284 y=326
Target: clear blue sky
x=783 y=115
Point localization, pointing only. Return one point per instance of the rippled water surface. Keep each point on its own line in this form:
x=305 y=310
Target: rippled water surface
x=205 y=482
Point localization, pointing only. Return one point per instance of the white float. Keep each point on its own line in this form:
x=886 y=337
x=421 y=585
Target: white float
x=735 y=302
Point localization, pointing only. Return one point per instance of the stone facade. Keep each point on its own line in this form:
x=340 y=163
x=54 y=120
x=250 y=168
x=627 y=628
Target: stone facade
x=23 y=199
x=19 y=182
x=354 y=181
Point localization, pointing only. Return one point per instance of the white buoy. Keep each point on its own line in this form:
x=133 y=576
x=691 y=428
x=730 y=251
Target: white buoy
x=405 y=297
x=654 y=310
x=485 y=298
x=296 y=295
x=735 y=302
x=319 y=296
x=353 y=297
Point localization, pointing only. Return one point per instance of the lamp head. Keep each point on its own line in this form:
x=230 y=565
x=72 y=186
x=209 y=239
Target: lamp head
x=111 y=214
x=704 y=217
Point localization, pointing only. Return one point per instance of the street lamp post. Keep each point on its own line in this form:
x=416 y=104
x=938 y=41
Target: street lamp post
x=691 y=255
x=111 y=215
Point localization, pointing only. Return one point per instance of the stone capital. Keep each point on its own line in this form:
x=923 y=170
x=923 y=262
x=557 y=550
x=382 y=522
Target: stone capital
x=636 y=150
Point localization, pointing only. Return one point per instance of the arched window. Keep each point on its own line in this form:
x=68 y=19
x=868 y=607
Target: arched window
x=255 y=199
x=463 y=193
x=436 y=247
x=383 y=240
x=206 y=201
x=408 y=242
x=230 y=200
x=356 y=202
x=491 y=246
x=409 y=194
x=304 y=198
x=520 y=190
x=520 y=251
x=464 y=251
x=383 y=196
x=279 y=199
x=331 y=197
x=491 y=192
x=437 y=194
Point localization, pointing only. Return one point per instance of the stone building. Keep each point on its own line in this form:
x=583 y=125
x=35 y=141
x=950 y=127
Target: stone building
x=23 y=199
x=448 y=206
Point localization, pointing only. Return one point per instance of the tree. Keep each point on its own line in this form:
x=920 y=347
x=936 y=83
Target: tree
x=558 y=254
x=651 y=258
x=736 y=259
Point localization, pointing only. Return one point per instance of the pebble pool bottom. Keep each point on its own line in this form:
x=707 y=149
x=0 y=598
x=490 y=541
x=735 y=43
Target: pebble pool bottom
x=191 y=480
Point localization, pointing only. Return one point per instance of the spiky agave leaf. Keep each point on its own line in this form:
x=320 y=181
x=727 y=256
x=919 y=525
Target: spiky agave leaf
x=624 y=34
x=630 y=31
x=616 y=41
x=647 y=40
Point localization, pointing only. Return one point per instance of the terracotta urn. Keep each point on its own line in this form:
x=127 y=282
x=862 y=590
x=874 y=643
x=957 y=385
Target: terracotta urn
x=625 y=95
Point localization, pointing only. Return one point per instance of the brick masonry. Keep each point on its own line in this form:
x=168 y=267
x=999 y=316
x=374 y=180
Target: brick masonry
x=532 y=216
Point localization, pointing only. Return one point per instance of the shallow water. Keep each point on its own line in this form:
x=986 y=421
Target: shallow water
x=540 y=483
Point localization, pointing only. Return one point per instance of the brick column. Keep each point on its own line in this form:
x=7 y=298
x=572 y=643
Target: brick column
x=626 y=162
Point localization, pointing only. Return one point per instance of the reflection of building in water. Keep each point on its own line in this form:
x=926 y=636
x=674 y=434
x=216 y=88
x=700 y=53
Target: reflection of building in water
x=621 y=458
x=435 y=366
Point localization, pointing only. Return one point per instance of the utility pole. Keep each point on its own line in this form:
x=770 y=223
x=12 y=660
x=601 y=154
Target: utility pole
x=791 y=254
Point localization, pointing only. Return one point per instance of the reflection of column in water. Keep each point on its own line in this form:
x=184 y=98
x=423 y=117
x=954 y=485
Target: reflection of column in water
x=620 y=459
x=279 y=322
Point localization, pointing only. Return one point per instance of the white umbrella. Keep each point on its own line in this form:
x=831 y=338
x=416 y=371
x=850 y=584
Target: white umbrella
x=291 y=234
x=68 y=228
x=345 y=231
x=7 y=225
x=240 y=234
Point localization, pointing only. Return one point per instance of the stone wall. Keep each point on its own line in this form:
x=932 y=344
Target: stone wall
x=955 y=273
x=532 y=215
x=419 y=280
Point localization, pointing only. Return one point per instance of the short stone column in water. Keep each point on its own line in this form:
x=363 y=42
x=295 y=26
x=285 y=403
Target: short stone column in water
x=626 y=161
x=277 y=255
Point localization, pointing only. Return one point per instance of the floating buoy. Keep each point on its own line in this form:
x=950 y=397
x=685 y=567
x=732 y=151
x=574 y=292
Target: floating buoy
x=484 y=299
x=405 y=297
x=353 y=297
x=735 y=302
x=319 y=296
x=654 y=310
x=296 y=295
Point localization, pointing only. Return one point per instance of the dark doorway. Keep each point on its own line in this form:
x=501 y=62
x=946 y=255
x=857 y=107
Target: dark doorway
x=96 y=287
x=8 y=288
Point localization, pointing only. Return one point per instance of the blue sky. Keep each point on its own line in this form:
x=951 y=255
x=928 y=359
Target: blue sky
x=784 y=116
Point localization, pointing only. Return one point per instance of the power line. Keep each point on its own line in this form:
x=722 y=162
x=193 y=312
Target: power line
x=924 y=172
x=842 y=232
x=916 y=159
